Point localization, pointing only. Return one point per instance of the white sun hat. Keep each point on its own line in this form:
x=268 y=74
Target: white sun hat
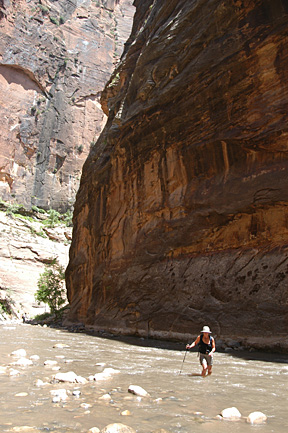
x=206 y=329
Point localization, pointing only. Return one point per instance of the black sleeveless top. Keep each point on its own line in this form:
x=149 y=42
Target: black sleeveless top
x=203 y=347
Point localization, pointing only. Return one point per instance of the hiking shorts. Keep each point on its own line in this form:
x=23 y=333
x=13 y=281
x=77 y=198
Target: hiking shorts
x=205 y=360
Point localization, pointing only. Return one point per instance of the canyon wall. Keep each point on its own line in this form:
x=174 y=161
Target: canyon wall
x=181 y=217
x=55 y=58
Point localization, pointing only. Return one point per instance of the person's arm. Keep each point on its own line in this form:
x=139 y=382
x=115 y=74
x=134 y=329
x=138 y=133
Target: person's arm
x=189 y=346
x=213 y=347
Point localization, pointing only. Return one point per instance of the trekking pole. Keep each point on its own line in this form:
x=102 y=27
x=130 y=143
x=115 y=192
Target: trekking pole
x=183 y=361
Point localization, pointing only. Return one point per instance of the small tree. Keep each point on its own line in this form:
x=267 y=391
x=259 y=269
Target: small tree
x=51 y=289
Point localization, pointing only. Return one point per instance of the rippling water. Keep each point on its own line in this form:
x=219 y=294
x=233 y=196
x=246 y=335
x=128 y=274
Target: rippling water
x=189 y=403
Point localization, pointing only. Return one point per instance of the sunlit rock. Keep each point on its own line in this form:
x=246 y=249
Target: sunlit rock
x=231 y=413
x=138 y=390
x=13 y=372
x=23 y=362
x=3 y=370
x=40 y=382
x=20 y=353
x=60 y=346
x=126 y=413
x=105 y=397
x=105 y=374
x=256 y=418
x=70 y=376
x=94 y=430
x=50 y=362
x=21 y=394
x=34 y=357
x=24 y=429
x=59 y=395
x=117 y=428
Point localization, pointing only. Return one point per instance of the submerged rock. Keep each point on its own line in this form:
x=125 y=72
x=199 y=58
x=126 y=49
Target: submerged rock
x=70 y=376
x=256 y=418
x=231 y=413
x=20 y=353
x=118 y=428
x=138 y=390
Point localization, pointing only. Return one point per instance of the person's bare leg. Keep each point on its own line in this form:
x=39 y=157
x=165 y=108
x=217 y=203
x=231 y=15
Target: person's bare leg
x=209 y=370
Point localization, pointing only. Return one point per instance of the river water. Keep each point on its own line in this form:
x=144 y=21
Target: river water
x=184 y=403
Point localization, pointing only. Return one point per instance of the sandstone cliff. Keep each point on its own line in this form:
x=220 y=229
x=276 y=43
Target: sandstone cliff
x=181 y=217
x=55 y=58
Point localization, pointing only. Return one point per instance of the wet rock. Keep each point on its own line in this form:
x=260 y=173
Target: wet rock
x=40 y=382
x=106 y=397
x=256 y=418
x=59 y=395
x=117 y=428
x=50 y=363
x=70 y=376
x=24 y=429
x=126 y=413
x=23 y=362
x=138 y=390
x=105 y=374
x=86 y=405
x=76 y=393
x=94 y=430
x=60 y=346
x=13 y=372
x=34 y=357
x=3 y=370
x=231 y=413
x=20 y=353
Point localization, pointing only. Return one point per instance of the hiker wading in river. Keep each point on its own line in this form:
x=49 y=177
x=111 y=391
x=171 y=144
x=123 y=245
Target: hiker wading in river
x=206 y=349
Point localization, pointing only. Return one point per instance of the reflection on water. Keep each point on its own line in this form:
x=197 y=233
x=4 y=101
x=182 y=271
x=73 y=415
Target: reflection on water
x=184 y=402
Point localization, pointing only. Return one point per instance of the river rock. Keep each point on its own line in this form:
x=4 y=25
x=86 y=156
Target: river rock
x=117 y=428
x=106 y=397
x=70 y=376
x=40 y=382
x=59 y=395
x=50 y=363
x=138 y=390
x=105 y=374
x=60 y=346
x=3 y=370
x=256 y=418
x=231 y=413
x=13 y=372
x=126 y=413
x=20 y=353
x=23 y=362
x=94 y=430
x=34 y=357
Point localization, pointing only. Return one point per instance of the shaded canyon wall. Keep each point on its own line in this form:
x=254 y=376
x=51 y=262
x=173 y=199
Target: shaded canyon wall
x=181 y=217
x=55 y=58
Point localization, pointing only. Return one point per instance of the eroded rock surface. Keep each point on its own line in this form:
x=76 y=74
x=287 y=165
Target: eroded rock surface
x=55 y=58
x=181 y=216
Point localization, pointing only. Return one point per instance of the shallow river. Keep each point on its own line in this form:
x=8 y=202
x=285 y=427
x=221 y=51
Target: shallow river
x=184 y=403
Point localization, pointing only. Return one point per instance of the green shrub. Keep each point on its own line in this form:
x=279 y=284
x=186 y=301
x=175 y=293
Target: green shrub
x=51 y=289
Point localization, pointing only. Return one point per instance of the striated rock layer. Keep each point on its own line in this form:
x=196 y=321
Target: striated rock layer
x=181 y=218
x=55 y=58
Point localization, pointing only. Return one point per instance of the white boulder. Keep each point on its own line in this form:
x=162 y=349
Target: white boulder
x=117 y=428
x=70 y=377
x=231 y=413
x=138 y=390
x=20 y=353
x=23 y=362
x=256 y=418
x=59 y=395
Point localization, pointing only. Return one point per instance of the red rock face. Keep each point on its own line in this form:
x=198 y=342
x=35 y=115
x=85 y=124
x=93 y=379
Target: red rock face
x=55 y=58
x=181 y=216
